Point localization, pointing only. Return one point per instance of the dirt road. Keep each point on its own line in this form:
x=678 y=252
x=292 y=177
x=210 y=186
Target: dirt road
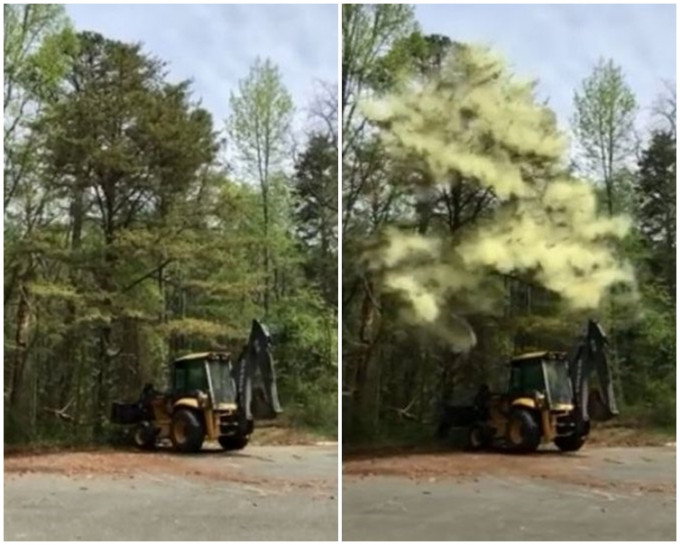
x=262 y=493
x=597 y=494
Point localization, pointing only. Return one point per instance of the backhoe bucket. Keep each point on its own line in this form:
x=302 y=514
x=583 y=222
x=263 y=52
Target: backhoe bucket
x=266 y=399
x=602 y=405
x=596 y=403
x=598 y=409
x=256 y=378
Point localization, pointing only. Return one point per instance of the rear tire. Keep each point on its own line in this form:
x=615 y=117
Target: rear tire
x=233 y=442
x=524 y=433
x=144 y=436
x=187 y=432
x=570 y=443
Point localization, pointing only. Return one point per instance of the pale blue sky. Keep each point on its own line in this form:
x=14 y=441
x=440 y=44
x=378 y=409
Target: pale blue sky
x=215 y=44
x=559 y=44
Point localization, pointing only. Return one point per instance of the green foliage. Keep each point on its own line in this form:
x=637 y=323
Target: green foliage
x=260 y=119
x=261 y=114
x=415 y=54
x=603 y=120
x=38 y=42
x=127 y=245
x=368 y=32
x=315 y=192
x=656 y=209
x=453 y=118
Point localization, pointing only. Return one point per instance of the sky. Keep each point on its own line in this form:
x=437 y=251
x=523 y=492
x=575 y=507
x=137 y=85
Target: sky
x=560 y=44
x=215 y=45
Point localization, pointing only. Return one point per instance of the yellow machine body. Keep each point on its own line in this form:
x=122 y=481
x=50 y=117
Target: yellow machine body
x=163 y=408
x=546 y=413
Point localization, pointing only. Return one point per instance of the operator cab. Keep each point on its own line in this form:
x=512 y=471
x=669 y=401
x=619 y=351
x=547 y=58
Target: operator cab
x=546 y=373
x=206 y=372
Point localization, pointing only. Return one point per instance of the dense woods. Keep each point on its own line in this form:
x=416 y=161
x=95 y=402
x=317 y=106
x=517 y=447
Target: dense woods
x=132 y=235
x=475 y=228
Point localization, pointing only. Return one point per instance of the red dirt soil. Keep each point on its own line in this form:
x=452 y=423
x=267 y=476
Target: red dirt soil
x=576 y=469
x=210 y=465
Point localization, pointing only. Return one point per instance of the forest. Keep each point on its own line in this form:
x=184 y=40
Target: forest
x=138 y=228
x=475 y=228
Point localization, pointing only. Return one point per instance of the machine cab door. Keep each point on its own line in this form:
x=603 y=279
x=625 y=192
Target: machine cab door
x=526 y=378
x=188 y=377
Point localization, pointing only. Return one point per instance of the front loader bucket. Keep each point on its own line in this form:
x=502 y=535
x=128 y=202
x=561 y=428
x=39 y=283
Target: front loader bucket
x=126 y=413
x=456 y=416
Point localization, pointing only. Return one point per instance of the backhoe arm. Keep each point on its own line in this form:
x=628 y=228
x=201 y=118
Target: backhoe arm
x=255 y=376
x=589 y=355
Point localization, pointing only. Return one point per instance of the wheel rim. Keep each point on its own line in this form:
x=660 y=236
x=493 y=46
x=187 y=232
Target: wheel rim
x=180 y=432
x=139 y=439
x=515 y=432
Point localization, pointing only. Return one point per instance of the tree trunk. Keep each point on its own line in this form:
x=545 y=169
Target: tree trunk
x=23 y=322
x=265 y=216
x=364 y=411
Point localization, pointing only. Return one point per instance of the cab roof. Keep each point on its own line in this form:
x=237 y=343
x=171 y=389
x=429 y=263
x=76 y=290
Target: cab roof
x=531 y=356
x=202 y=356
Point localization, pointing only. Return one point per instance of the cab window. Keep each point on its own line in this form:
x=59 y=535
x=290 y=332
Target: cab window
x=190 y=376
x=179 y=381
x=526 y=378
x=196 y=377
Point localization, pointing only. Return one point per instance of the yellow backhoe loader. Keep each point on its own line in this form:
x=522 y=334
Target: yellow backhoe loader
x=548 y=400
x=210 y=398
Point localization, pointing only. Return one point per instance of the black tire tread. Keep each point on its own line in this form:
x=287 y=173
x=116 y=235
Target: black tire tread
x=570 y=443
x=195 y=435
x=148 y=436
x=531 y=430
x=233 y=442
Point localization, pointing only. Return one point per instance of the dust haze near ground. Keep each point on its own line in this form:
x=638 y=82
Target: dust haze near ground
x=596 y=494
x=262 y=493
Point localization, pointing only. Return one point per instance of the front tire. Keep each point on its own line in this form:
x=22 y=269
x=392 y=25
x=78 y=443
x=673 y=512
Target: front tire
x=233 y=442
x=187 y=432
x=524 y=433
x=570 y=443
x=478 y=438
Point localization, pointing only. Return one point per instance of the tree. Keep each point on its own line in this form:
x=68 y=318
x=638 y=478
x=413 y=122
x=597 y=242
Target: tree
x=368 y=31
x=656 y=212
x=665 y=107
x=603 y=124
x=126 y=245
x=413 y=55
x=37 y=41
x=259 y=125
x=484 y=206
x=121 y=152
x=324 y=111
x=316 y=194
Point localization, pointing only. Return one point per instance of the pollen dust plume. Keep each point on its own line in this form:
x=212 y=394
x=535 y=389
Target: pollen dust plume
x=476 y=123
